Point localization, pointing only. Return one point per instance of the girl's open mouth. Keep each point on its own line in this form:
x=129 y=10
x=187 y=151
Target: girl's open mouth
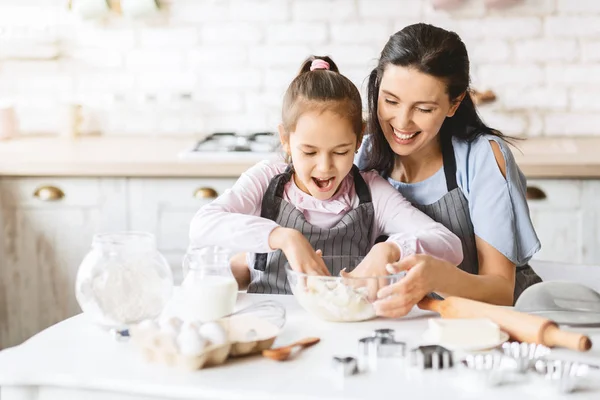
x=324 y=185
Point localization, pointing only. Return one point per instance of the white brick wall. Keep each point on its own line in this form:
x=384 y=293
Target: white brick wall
x=207 y=65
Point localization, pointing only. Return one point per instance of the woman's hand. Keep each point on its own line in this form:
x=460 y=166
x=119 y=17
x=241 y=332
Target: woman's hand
x=300 y=254
x=374 y=264
x=424 y=272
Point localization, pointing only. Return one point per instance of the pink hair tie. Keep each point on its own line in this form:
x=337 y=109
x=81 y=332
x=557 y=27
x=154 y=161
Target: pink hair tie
x=319 y=64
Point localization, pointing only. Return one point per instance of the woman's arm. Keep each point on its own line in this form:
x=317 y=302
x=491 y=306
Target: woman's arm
x=494 y=284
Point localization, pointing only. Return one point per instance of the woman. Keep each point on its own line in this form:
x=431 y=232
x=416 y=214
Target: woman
x=428 y=141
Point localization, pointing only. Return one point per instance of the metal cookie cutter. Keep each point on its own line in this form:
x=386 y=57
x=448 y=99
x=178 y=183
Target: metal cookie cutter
x=497 y=367
x=567 y=374
x=384 y=333
x=367 y=353
x=432 y=357
x=381 y=344
x=525 y=354
x=345 y=366
x=387 y=345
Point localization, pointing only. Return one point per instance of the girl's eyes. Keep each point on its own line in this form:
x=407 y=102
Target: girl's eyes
x=342 y=153
x=392 y=102
x=309 y=154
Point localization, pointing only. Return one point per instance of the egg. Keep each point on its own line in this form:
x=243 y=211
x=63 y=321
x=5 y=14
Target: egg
x=171 y=326
x=190 y=342
x=213 y=332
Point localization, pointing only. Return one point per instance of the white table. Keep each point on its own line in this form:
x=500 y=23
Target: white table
x=76 y=360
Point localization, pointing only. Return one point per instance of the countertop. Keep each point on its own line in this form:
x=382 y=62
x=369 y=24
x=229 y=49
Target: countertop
x=160 y=157
x=74 y=359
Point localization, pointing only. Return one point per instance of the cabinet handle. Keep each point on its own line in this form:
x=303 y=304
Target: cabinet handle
x=49 y=193
x=535 y=193
x=204 y=193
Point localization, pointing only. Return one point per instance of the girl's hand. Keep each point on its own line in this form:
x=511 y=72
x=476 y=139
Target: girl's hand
x=424 y=273
x=300 y=254
x=374 y=264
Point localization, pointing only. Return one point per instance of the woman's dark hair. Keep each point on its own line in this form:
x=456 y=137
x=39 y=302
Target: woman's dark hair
x=322 y=89
x=436 y=52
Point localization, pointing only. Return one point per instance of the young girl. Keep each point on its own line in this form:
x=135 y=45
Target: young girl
x=282 y=212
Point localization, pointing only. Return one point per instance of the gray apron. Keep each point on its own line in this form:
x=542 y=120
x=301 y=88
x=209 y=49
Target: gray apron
x=452 y=211
x=351 y=236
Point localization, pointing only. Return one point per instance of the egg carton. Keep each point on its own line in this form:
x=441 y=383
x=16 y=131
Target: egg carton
x=161 y=347
x=250 y=341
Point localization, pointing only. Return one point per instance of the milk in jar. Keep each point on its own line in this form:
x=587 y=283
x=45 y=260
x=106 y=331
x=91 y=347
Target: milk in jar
x=209 y=289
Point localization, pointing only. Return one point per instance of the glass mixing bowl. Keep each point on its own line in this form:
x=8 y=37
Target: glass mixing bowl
x=336 y=298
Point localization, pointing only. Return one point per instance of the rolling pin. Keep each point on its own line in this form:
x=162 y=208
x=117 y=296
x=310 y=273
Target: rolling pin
x=520 y=326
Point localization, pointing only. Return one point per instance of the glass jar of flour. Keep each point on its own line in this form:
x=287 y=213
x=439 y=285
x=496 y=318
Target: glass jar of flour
x=123 y=279
x=209 y=289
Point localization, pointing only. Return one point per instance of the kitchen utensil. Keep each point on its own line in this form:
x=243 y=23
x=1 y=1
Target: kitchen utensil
x=525 y=354
x=283 y=353
x=496 y=367
x=336 y=298
x=565 y=373
x=431 y=357
x=520 y=326
x=268 y=310
x=384 y=333
x=390 y=348
x=367 y=353
x=488 y=361
x=565 y=303
x=345 y=366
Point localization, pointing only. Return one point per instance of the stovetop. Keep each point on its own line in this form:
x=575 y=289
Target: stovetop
x=257 y=142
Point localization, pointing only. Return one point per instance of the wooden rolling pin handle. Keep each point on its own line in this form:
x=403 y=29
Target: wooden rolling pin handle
x=552 y=336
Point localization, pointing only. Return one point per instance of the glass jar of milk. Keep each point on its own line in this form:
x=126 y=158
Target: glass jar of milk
x=209 y=288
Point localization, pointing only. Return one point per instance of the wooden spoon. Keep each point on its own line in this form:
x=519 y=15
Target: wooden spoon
x=283 y=353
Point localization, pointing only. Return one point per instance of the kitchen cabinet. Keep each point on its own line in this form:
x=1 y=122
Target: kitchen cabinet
x=45 y=236
x=165 y=207
x=48 y=224
x=567 y=220
x=48 y=228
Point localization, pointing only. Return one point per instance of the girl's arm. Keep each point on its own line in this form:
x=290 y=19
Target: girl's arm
x=233 y=219
x=410 y=229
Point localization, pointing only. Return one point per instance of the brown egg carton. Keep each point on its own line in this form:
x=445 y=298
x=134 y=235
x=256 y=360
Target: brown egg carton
x=247 y=335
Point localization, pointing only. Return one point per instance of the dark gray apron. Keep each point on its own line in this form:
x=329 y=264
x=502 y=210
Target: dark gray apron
x=452 y=211
x=351 y=236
